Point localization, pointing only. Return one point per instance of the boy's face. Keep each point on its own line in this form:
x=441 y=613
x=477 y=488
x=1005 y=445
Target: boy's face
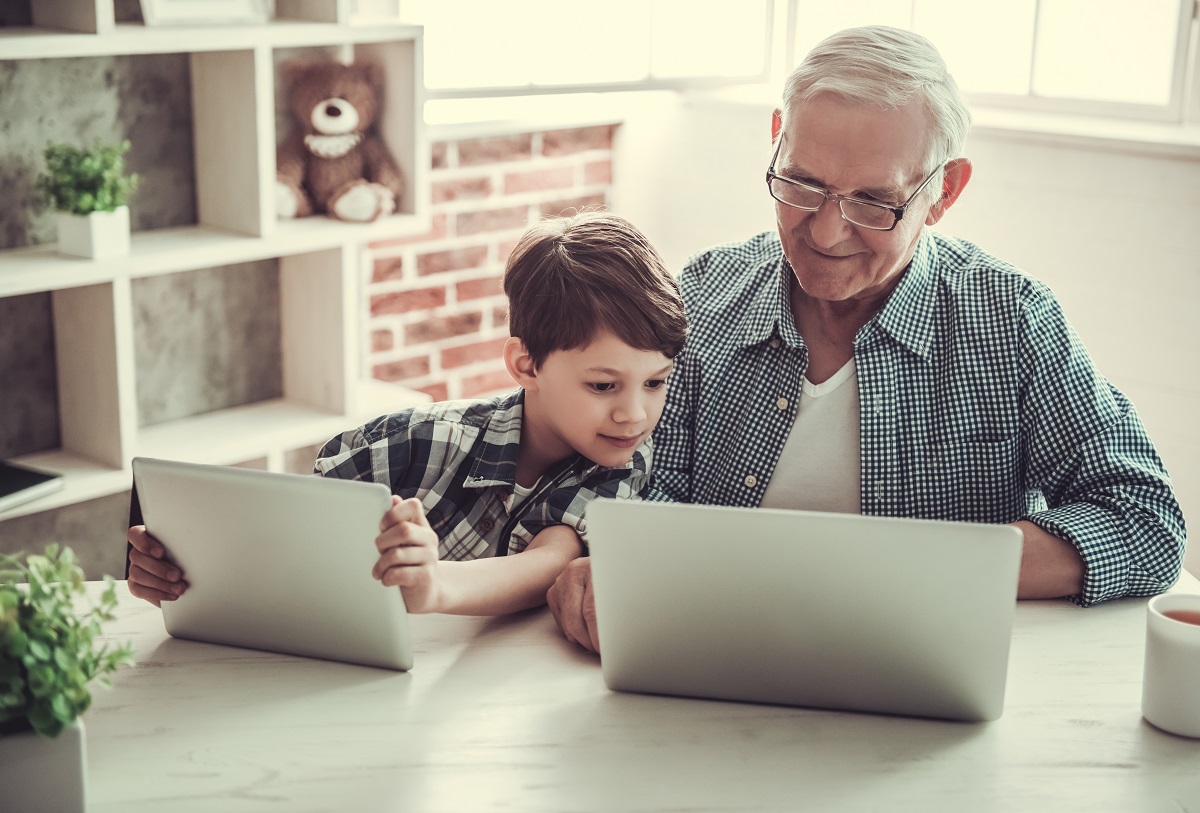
x=601 y=401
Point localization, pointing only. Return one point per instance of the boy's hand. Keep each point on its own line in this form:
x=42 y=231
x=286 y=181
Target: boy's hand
x=151 y=576
x=408 y=555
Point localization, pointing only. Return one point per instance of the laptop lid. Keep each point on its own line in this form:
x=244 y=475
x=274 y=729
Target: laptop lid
x=836 y=611
x=280 y=562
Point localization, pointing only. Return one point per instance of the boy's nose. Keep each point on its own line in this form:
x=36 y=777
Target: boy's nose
x=630 y=410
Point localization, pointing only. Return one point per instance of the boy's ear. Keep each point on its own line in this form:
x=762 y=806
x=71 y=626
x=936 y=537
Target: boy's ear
x=520 y=364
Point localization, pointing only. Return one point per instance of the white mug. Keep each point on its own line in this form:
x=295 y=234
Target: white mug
x=1171 y=680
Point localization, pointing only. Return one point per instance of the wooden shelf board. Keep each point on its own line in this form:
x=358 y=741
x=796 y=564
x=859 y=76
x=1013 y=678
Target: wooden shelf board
x=185 y=248
x=83 y=480
x=43 y=43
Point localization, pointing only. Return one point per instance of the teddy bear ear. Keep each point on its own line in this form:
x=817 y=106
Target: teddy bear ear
x=371 y=72
x=294 y=69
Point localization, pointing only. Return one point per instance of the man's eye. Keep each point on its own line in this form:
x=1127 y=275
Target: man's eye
x=602 y=386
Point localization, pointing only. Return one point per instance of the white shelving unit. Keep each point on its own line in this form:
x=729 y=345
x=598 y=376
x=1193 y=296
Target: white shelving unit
x=234 y=84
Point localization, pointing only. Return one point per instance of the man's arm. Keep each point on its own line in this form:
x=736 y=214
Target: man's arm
x=1108 y=495
x=573 y=604
x=1050 y=567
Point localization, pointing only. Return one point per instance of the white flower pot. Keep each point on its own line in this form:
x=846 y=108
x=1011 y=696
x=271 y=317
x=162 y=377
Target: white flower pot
x=37 y=773
x=98 y=235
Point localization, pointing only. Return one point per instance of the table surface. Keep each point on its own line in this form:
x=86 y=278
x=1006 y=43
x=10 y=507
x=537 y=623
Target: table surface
x=503 y=714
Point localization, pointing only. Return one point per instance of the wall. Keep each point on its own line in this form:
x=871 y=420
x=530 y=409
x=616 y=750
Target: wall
x=436 y=317
x=1112 y=231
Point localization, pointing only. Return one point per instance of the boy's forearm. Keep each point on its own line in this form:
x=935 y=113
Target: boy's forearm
x=507 y=584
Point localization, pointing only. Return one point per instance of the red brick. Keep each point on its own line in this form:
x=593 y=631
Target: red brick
x=595 y=172
x=490 y=350
x=513 y=217
x=454 y=259
x=570 y=206
x=461 y=189
x=406 y=301
x=534 y=180
x=388 y=268
x=437 y=392
x=567 y=142
x=487 y=383
x=504 y=249
x=443 y=327
x=476 y=151
x=382 y=340
x=402 y=369
x=439 y=155
x=436 y=231
x=477 y=288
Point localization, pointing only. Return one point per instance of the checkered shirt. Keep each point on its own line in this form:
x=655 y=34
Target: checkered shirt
x=978 y=402
x=459 y=458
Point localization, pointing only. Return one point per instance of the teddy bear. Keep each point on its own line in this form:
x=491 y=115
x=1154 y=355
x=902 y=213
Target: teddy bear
x=333 y=162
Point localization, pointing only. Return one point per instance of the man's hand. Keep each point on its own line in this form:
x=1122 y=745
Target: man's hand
x=408 y=555
x=151 y=576
x=573 y=605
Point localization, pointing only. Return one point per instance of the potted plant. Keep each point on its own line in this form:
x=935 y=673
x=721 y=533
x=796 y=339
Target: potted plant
x=50 y=652
x=90 y=191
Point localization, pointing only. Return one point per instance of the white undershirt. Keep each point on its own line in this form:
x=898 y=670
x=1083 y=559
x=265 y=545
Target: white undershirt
x=820 y=469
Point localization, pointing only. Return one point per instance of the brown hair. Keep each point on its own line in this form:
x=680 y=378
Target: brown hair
x=570 y=278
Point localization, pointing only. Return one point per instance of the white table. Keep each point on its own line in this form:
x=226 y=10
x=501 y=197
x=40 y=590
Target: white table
x=504 y=715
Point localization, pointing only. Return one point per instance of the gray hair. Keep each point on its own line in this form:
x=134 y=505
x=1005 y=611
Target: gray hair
x=886 y=67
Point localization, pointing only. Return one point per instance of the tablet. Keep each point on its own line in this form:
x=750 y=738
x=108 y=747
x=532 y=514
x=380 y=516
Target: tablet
x=278 y=562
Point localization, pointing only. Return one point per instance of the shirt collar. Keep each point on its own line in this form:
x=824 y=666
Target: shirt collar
x=770 y=309
x=908 y=314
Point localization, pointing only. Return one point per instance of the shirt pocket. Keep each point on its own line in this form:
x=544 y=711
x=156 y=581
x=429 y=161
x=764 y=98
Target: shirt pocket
x=973 y=480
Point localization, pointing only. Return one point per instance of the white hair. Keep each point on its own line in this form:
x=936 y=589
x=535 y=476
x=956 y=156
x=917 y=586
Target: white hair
x=887 y=67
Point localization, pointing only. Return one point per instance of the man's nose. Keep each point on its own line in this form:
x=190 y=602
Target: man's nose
x=827 y=226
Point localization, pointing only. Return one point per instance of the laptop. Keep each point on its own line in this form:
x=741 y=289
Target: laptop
x=278 y=562
x=801 y=608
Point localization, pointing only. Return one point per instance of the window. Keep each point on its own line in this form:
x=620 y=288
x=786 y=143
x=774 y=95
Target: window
x=1106 y=57
x=504 y=47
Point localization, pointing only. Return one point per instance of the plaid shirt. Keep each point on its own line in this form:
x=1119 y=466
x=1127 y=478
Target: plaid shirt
x=459 y=458
x=978 y=402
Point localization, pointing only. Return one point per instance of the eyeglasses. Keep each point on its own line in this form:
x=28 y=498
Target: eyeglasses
x=865 y=213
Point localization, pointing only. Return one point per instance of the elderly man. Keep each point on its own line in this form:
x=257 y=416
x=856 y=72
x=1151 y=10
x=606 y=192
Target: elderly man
x=855 y=361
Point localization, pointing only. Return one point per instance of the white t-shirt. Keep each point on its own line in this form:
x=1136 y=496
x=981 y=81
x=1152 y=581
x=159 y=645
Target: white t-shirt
x=820 y=469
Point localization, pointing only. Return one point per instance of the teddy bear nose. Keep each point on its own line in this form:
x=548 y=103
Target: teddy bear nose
x=333 y=111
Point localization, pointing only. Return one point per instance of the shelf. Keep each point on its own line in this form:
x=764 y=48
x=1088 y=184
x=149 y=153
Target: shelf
x=129 y=39
x=223 y=438
x=186 y=248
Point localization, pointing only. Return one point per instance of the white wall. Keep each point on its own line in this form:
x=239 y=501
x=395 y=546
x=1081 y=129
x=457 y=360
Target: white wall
x=1116 y=234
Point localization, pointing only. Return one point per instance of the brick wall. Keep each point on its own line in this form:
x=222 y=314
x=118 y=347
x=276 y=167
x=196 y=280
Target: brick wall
x=437 y=318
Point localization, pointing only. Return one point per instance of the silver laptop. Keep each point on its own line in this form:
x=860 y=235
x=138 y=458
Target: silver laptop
x=280 y=562
x=800 y=608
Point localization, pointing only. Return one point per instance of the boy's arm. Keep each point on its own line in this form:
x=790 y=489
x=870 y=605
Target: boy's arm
x=408 y=559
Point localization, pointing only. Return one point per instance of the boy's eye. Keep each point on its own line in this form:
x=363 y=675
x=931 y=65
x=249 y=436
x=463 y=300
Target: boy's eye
x=656 y=383
x=602 y=386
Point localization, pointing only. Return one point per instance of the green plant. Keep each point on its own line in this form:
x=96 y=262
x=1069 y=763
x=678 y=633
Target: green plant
x=82 y=181
x=49 y=652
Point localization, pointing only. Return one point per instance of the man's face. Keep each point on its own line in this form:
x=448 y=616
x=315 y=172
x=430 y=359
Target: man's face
x=859 y=150
x=602 y=400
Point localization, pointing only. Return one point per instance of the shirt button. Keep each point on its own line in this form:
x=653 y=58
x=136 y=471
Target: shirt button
x=751 y=481
x=775 y=342
x=782 y=403
x=486 y=525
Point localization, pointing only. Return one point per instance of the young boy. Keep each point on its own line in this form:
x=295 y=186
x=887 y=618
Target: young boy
x=489 y=496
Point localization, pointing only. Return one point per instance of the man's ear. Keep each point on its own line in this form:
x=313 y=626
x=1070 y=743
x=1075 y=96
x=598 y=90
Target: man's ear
x=954 y=181
x=520 y=364
x=776 y=125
